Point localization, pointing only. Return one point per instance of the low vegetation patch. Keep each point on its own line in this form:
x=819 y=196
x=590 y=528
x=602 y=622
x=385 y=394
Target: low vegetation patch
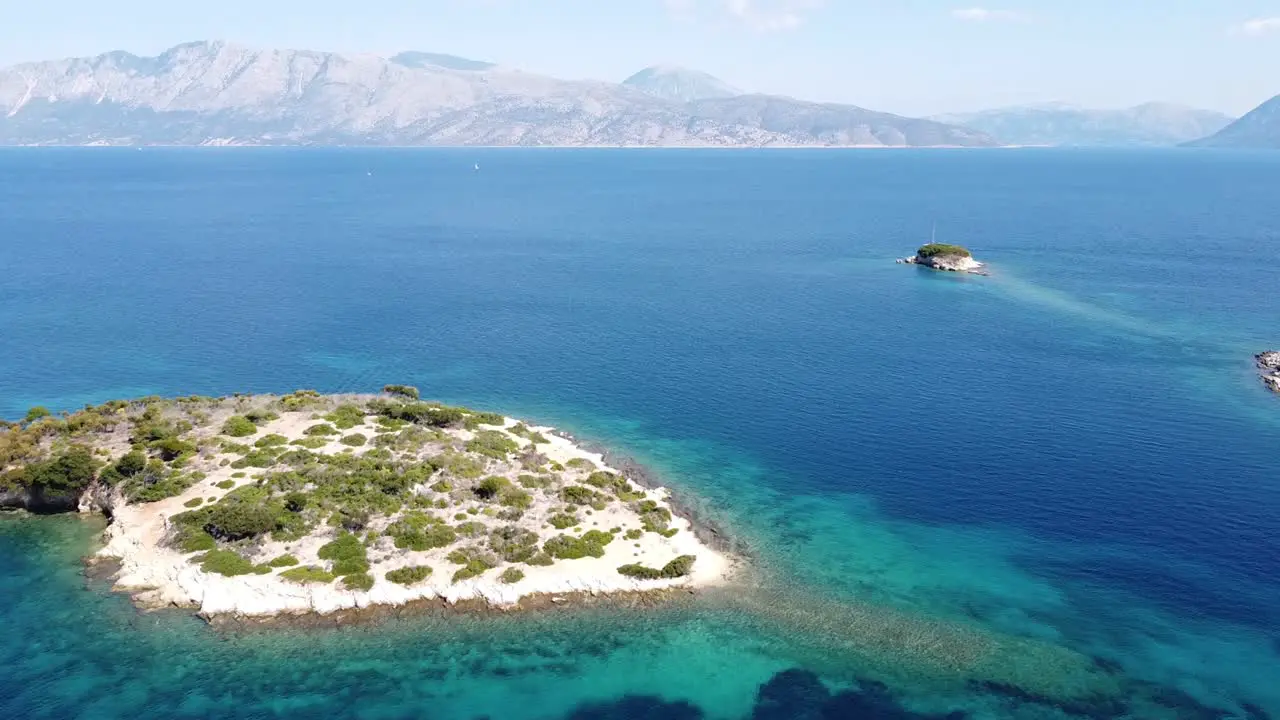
x=282 y=561
x=474 y=562
x=405 y=391
x=565 y=547
x=239 y=426
x=348 y=555
x=679 y=567
x=514 y=544
x=420 y=531
x=563 y=521
x=345 y=417
x=492 y=443
x=937 y=249
x=229 y=563
x=411 y=575
x=354 y=440
x=308 y=574
x=511 y=576
x=358 y=581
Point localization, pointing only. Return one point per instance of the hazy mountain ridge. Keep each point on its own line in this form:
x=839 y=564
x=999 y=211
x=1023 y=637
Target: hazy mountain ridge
x=219 y=93
x=680 y=84
x=1258 y=129
x=1063 y=124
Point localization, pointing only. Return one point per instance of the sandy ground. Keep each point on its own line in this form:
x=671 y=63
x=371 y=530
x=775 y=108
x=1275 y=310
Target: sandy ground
x=160 y=576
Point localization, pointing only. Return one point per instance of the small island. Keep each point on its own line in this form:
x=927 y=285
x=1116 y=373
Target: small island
x=256 y=506
x=1269 y=368
x=940 y=256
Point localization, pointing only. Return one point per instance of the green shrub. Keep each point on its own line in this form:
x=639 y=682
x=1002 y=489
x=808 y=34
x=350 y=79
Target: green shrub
x=580 y=495
x=514 y=544
x=320 y=429
x=405 y=391
x=471 y=529
x=511 y=576
x=411 y=575
x=307 y=574
x=358 y=581
x=194 y=540
x=679 y=567
x=225 y=562
x=935 y=249
x=491 y=487
x=226 y=484
x=272 y=440
x=236 y=517
x=443 y=486
x=419 y=412
x=131 y=463
x=239 y=426
x=462 y=466
x=296 y=501
x=534 y=482
x=634 y=534
x=517 y=499
x=581 y=464
x=260 y=458
x=474 y=563
x=420 y=532
x=346 y=417
x=354 y=440
x=349 y=555
x=155 y=484
x=64 y=476
x=541 y=559
x=591 y=544
x=301 y=400
x=282 y=561
x=475 y=419
x=492 y=443
x=390 y=423
x=193 y=503
x=653 y=517
x=310 y=443
x=258 y=416
x=563 y=521
x=36 y=413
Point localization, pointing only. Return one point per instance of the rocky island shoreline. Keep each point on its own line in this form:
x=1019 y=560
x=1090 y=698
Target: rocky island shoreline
x=1268 y=363
x=948 y=258
x=305 y=504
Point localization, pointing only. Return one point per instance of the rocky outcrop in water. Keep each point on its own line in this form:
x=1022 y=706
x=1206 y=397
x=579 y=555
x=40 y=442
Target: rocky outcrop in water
x=1269 y=368
x=949 y=258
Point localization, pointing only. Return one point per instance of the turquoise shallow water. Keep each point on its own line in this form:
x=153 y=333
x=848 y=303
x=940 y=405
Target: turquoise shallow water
x=1047 y=493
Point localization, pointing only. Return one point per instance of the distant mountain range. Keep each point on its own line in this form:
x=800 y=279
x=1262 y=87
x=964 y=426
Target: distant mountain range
x=1068 y=125
x=1259 y=129
x=214 y=93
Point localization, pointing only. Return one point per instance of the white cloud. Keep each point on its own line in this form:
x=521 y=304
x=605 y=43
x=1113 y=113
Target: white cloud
x=759 y=15
x=979 y=14
x=1260 y=26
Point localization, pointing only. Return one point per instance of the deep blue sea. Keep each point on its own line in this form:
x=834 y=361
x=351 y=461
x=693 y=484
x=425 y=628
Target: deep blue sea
x=1053 y=492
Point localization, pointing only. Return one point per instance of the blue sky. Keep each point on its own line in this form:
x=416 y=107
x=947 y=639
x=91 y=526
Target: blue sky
x=907 y=56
